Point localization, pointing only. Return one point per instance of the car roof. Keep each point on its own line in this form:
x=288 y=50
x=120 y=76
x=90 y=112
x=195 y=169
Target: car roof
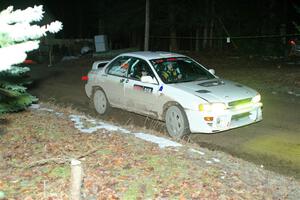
x=149 y=55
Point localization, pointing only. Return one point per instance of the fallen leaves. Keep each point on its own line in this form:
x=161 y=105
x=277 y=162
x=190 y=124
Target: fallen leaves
x=116 y=166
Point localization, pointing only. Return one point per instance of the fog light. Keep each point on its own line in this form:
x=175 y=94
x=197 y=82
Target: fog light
x=209 y=119
x=256 y=99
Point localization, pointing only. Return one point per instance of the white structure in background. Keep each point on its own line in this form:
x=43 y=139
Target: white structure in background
x=100 y=43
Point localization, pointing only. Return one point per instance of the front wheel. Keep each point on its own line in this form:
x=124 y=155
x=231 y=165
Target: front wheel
x=100 y=102
x=176 y=122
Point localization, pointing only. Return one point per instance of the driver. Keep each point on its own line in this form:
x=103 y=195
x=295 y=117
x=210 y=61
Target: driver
x=171 y=74
x=140 y=71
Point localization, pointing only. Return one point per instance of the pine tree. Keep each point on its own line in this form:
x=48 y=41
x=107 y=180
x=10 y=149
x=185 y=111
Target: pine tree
x=17 y=37
x=297 y=26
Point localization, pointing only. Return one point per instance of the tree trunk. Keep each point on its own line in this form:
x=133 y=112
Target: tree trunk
x=197 y=42
x=173 y=34
x=211 y=30
x=173 y=41
x=100 y=27
x=212 y=22
x=79 y=20
x=147 y=25
x=205 y=28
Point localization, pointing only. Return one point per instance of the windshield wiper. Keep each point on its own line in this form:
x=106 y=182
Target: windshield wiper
x=201 y=78
x=184 y=81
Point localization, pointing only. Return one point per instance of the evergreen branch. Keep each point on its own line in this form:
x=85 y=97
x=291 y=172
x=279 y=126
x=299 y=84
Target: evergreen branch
x=17 y=37
x=15 y=104
x=8 y=93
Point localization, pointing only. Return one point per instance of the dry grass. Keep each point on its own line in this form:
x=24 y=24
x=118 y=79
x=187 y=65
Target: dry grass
x=120 y=167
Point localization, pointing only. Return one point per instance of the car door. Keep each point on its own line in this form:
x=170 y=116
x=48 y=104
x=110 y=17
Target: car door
x=115 y=78
x=141 y=96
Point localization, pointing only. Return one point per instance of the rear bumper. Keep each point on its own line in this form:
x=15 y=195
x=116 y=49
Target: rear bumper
x=226 y=120
x=88 y=89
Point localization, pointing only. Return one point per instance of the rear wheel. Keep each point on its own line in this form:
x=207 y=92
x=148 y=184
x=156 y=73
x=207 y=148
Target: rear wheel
x=100 y=102
x=176 y=122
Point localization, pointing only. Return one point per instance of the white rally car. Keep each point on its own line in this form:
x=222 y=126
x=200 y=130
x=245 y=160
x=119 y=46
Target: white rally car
x=173 y=88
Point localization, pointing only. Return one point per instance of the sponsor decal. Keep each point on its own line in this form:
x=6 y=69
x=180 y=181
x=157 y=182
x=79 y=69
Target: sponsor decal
x=148 y=89
x=143 y=88
x=138 y=87
x=161 y=88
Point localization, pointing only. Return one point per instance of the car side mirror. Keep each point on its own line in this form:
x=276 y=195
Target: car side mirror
x=148 y=79
x=212 y=71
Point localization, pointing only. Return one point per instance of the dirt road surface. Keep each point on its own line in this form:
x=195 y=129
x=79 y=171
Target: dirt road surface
x=273 y=143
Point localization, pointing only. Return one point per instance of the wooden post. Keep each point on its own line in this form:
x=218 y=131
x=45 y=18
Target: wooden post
x=76 y=180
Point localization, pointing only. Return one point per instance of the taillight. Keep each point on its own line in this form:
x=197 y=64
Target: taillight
x=84 y=78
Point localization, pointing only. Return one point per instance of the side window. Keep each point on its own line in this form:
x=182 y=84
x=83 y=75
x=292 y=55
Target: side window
x=119 y=67
x=138 y=69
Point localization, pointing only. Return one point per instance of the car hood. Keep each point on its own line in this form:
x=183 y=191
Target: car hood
x=217 y=90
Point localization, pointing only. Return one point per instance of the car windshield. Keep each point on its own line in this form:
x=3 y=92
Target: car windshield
x=180 y=69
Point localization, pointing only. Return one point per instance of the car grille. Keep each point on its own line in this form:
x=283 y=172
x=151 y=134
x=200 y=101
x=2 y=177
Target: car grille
x=239 y=102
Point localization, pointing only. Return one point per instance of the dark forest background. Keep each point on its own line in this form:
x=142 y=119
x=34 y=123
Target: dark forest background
x=256 y=26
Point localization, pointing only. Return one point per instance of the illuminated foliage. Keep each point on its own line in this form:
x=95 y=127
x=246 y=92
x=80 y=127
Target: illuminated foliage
x=17 y=37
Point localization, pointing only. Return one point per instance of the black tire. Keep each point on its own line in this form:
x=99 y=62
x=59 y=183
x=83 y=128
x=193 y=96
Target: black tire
x=100 y=102
x=176 y=122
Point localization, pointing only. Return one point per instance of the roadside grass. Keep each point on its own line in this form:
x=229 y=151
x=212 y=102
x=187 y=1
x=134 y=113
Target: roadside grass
x=282 y=147
x=122 y=167
x=119 y=167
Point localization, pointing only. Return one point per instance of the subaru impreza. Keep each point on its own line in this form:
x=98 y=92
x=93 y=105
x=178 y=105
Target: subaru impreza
x=172 y=88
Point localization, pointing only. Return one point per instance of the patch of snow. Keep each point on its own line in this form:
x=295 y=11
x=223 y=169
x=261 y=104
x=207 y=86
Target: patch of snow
x=208 y=162
x=46 y=109
x=79 y=124
x=162 y=142
x=34 y=106
x=59 y=114
x=110 y=127
x=216 y=160
x=90 y=125
x=196 y=151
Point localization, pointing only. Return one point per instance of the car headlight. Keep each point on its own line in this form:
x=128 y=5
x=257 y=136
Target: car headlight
x=212 y=107
x=256 y=99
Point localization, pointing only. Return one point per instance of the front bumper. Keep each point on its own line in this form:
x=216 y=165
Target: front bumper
x=228 y=119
